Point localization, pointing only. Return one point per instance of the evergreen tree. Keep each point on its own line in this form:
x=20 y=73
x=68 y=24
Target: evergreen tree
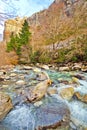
x=25 y=34
x=17 y=41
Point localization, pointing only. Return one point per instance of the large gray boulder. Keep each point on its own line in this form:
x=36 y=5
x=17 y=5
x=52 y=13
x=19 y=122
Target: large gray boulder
x=52 y=114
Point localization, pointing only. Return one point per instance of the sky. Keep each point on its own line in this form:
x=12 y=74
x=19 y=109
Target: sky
x=21 y=8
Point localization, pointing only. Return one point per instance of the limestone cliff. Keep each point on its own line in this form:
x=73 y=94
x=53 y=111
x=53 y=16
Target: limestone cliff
x=12 y=26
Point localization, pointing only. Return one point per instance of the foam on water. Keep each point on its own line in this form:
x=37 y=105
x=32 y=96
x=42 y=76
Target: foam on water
x=78 y=112
x=83 y=87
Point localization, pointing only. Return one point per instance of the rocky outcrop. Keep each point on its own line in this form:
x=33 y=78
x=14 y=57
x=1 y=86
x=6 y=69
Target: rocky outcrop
x=12 y=26
x=5 y=105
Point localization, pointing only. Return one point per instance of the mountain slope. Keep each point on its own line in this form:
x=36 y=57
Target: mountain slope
x=48 y=25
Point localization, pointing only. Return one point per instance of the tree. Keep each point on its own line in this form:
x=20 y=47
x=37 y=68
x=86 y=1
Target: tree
x=18 y=41
x=24 y=35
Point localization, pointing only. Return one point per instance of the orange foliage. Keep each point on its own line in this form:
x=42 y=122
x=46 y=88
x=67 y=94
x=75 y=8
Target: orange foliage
x=7 y=58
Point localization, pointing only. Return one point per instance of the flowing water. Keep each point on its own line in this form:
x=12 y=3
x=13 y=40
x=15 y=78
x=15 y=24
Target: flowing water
x=21 y=117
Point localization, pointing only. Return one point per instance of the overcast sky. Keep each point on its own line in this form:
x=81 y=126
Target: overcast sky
x=12 y=8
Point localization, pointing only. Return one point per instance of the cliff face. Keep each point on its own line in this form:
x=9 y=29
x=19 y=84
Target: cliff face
x=66 y=6
x=12 y=26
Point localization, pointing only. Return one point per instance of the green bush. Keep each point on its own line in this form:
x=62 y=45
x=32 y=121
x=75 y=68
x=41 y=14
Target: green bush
x=34 y=57
x=45 y=58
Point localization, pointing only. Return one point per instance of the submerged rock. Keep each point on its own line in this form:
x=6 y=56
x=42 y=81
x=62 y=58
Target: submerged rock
x=52 y=114
x=5 y=105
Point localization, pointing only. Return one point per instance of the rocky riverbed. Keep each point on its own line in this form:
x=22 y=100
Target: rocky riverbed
x=42 y=98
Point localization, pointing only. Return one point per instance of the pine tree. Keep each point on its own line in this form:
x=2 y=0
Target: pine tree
x=17 y=41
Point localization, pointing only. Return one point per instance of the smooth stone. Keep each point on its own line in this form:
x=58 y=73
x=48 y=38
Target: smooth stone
x=27 y=67
x=13 y=75
x=46 y=67
x=67 y=93
x=5 y=86
x=20 y=82
x=7 y=78
x=52 y=114
x=5 y=105
x=64 y=68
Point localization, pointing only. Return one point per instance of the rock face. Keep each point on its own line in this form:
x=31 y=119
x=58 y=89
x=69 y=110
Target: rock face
x=12 y=26
x=5 y=105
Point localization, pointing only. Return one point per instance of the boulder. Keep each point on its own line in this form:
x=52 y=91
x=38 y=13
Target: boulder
x=52 y=114
x=84 y=69
x=81 y=97
x=5 y=105
x=38 y=92
x=67 y=93
x=77 y=66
